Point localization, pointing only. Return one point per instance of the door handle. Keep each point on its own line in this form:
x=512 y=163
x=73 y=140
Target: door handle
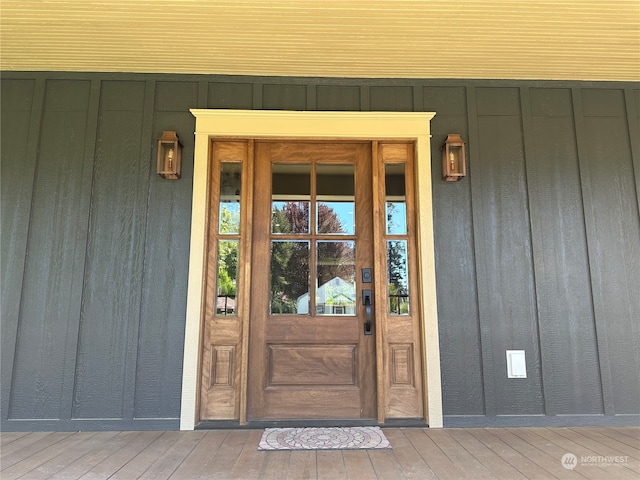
x=367 y=301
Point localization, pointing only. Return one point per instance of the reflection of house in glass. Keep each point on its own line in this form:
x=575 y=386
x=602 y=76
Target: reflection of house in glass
x=226 y=305
x=336 y=297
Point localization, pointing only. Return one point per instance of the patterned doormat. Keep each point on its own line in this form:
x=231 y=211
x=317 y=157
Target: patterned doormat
x=314 y=438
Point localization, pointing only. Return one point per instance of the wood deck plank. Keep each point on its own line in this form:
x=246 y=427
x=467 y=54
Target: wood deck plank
x=555 y=449
x=579 y=436
x=164 y=467
x=121 y=457
x=521 y=463
x=34 y=448
x=358 y=465
x=275 y=465
x=201 y=461
x=88 y=441
x=552 y=466
x=22 y=442
x=461 y=458
x=138 y=465
x=330 y=465
x=303 y=465
x=621 y=436
x=249 y=463
x=487 y=457
x=633 y=432
x=385 y=464
x=33 y=462
x=227 y=455
x=418 y=455
x=108 y=443
x=621 y=447
x=8 y=437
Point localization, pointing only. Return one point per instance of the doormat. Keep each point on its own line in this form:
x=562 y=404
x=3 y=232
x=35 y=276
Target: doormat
x=317 y=438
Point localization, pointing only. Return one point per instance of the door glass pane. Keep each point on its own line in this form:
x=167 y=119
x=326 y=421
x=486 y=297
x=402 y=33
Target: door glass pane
x=335 y=199
x=398 y=277
x=230 y=182
x=289 y=277
x=396 y=200
x=336 y=278
x=227 y=277
x=290 y=196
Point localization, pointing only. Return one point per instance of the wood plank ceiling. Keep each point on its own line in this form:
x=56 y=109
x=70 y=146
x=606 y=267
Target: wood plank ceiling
x=511 y=39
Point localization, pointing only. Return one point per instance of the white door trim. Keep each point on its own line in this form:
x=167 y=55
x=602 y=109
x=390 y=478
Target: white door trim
x=413 y=126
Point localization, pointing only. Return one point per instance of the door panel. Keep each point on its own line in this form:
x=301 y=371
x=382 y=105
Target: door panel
x=308 y=355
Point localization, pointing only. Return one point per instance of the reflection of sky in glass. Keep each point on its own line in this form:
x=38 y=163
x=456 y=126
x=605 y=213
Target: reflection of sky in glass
x=344 y=212
x=396 y=218
x=229 y=218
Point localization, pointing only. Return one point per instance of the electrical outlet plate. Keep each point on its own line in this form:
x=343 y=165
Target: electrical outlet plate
x=516 y=364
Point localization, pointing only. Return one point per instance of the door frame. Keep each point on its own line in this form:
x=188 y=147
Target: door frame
x=413 y=126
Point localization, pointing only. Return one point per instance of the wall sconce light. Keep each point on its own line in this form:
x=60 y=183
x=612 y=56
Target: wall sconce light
x=169 y=155
x=453 y=158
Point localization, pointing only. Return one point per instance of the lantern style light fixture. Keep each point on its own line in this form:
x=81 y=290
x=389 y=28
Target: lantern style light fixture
x=453 y=158
x=169 y=155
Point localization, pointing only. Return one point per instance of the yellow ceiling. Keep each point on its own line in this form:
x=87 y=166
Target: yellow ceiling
x=513 y=39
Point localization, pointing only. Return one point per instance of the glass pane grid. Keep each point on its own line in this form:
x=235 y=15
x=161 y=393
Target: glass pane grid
x=324 y=193
x=398 y=300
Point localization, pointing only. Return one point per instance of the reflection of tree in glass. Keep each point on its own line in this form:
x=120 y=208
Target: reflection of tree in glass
x=339 y=256
x=227 y=254
x=336 y=259
x=398 y=276
x=227 y=268
x=290 y=259
x=328 y=221
x=291 y=217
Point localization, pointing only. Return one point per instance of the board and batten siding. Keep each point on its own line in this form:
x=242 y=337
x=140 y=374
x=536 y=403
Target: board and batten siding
x=537 y=249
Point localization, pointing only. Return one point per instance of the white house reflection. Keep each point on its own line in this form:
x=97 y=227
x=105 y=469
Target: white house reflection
x=335 y=297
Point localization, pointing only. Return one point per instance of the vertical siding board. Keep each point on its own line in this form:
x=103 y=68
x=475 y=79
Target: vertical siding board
x=365 y=98
x=257 y=95
x=615 y=241
x=591 y=229
x=22 y=102
x=508 y=261
x=484 y=314
x=459 y=330
x=284 y=97
x=392 y=98
x=115 y=250
x=566 y=323
x=82 y=233
x=548 y=408
x=54 y=257
x=132 y=357
x=229 y=95
x=312 y=96
x=159 y=374
x=632 y=109
x=337 y=97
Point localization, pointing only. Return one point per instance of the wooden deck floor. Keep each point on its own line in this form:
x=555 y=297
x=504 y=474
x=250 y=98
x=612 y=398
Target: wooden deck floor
x=456 y=453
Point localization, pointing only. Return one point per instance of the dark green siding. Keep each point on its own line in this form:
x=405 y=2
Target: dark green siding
x=537 y=249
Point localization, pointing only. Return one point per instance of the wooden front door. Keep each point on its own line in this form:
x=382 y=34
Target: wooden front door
x=311 y=351
x=311 y=307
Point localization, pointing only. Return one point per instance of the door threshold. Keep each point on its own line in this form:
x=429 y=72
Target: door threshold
x=297 y=423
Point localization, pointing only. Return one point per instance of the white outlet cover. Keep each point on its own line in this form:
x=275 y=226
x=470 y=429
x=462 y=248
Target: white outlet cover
x=516 y=364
